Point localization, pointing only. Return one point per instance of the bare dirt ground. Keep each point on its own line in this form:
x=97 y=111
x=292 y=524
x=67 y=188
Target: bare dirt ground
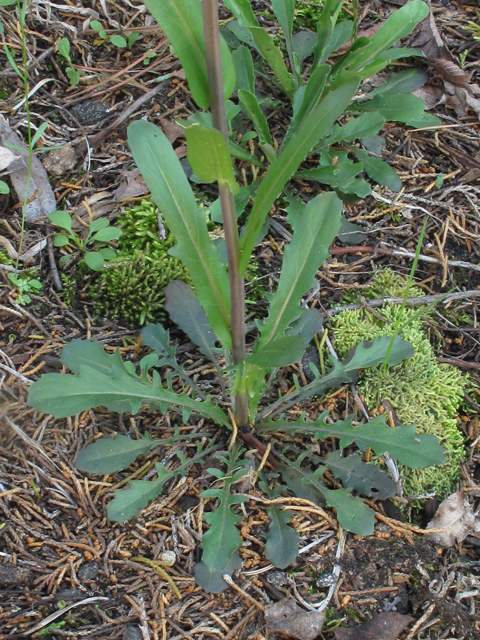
x=65 y=570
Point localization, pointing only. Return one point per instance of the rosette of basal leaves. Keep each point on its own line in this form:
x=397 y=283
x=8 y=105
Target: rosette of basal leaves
x=221 y=542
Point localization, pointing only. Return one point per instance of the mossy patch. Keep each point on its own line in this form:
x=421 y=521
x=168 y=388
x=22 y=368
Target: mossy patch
x=132 y=287
x=421 y=391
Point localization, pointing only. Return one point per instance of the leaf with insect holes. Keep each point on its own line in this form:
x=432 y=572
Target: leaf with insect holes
x=315 y=126
x=185 y=310
x=366 y=479
x=171 y=191
x=61 y=219
x=106 y=381
x=182 y=23
x=282 y=541
x=414 y=450
x=209 y=156
x=315 y=231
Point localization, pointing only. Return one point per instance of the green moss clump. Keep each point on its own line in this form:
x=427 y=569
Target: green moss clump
x=422 y=391
x=132 y=287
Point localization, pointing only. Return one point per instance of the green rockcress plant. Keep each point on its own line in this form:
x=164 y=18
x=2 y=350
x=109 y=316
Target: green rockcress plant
x=100 y=233
x=212 y=313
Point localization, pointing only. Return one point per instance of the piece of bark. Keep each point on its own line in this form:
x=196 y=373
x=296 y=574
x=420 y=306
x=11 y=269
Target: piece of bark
x=287 y=620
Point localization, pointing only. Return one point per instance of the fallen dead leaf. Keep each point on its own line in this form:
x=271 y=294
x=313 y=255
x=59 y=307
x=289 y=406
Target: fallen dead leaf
x=455 y=515
x=171 y=130
x=432 y=95
x=459 y=93
x=41 y=199
x=131 y=186
x=287 y=620
x=385 y=626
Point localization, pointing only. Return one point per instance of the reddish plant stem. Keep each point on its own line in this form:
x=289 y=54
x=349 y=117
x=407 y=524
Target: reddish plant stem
x=219 y=120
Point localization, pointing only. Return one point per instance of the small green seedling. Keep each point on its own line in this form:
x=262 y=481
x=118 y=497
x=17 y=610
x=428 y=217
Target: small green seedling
x=104 y=38
x=24 y=285
x=100 y=233
x=4 y=188
x=73 y=74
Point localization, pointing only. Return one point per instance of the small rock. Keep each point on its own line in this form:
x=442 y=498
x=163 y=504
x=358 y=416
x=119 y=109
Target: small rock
x=325 y=580
x=88 y=571
x=277 y=578
x=11 y=575
x=89 y=112
x=288 y=620
x=60 y=161
x=132 y=632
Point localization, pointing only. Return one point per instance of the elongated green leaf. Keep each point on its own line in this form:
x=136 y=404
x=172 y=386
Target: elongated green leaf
x=253 y=111
x=314 y=127
x=394 y=108
x=414 y=450
x=66 y=395
x=282 y=541
x=173 y=195
x=64 y=48
x=109 y=455
x=352 y=513
x=130 y=502
x=279 y=353
x=341 y=33
x=182 y=23
x=399 y=24
x=311 y=97
x=185 y=310
x=39 y=133
x=364 y=126
x=284 y=11
x=99 y=223
x=336 y=176
x=325 y=27
x=379 y=170
x=403 y=82
x=242 y=10
x=365 y=354
x=365 y=479
x=243 y=63
x=316 y=230
x=209 y=156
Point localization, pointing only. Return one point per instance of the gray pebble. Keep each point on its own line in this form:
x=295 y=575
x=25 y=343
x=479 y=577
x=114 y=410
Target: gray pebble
x=88 y=571
x=132 y=632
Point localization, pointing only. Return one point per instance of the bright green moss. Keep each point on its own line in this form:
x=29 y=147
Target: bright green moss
x=422 y=391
